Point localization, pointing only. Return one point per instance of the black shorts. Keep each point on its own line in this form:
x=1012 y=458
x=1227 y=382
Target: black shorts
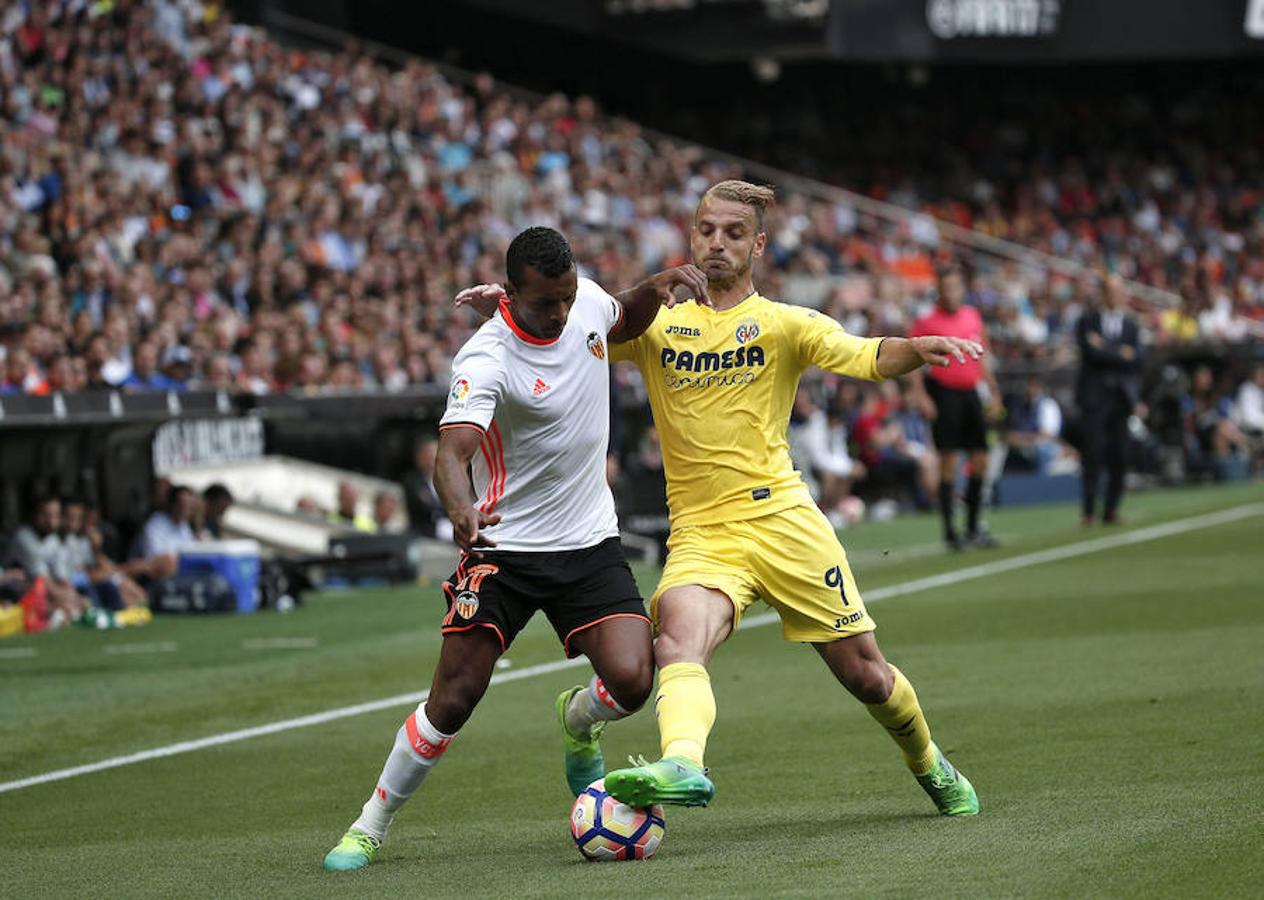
x=575 y=589
x=959 y=422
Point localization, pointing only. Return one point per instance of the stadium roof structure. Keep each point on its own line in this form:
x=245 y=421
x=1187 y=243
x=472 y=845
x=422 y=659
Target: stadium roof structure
x=926 y=31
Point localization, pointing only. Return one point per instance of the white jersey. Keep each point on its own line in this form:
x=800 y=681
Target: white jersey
x=544 y=410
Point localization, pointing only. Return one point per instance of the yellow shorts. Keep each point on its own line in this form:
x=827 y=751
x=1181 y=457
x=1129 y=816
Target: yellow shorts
x=792 y=560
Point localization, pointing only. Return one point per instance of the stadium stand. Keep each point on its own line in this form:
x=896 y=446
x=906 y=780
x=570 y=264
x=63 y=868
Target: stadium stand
x=187 y=203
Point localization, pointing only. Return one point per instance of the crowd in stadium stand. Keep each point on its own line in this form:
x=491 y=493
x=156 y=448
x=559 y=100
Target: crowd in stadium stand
x=185 y=203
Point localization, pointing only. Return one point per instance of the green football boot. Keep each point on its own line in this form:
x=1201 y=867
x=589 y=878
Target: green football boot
x=952 y=792
x=584 y=762
x=673 y=779
x=355 y=851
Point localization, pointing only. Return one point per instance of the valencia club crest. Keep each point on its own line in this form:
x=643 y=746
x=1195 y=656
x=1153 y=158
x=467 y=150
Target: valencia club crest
x=596 y=346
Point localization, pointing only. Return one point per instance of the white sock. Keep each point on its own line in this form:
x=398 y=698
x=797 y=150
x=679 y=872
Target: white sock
x=592 y=705
x=418 y=746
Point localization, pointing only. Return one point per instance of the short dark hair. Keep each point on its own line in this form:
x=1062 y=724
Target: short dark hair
x=177 y=490
x=539 y=248
x=41 y=499
x=217 y=492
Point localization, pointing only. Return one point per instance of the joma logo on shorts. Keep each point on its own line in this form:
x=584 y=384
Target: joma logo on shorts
x=851 y=619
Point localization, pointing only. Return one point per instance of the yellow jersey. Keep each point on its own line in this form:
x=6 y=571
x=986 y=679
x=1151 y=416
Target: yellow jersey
x=721 y=385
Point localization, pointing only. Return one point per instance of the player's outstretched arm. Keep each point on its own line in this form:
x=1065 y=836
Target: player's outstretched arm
x=899 y=356
x=457 y=446
x=641 y=303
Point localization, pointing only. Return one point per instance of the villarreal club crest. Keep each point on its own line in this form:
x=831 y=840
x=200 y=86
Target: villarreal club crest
x=747 y=331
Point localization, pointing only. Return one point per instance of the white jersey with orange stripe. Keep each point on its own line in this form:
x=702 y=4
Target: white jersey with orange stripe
x=544 y=410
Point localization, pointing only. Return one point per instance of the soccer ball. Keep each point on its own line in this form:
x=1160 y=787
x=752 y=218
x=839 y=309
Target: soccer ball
x=606 y=830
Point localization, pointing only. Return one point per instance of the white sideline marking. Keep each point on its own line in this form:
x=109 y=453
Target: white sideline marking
x=18 y=653
x=245 y=734
x=156 y=647
x=280 y=643
x=969 y=573
x=1053 y=554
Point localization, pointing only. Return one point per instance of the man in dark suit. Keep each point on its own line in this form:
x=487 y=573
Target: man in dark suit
x=425 y=513
x=1108 y=391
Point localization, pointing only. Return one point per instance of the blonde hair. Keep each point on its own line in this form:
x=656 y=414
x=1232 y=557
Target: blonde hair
x=757 y=196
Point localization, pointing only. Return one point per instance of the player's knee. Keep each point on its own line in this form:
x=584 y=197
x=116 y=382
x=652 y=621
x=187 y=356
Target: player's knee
x=449 y=707
x=630 y=683
x=869 y=681
x=676 y=648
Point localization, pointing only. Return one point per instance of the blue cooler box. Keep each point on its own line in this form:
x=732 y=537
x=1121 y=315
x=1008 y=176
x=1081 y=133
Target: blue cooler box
x=237 y=561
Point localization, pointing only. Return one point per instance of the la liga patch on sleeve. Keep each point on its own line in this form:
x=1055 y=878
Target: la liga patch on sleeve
x=460 y=391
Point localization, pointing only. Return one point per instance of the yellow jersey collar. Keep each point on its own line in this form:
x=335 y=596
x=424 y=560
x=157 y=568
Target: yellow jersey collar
x=736 y=306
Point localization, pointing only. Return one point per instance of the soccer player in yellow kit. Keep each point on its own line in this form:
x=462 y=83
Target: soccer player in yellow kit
x=721 y=381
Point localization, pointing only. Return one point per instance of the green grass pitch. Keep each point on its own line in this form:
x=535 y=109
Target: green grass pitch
x=1109 y=707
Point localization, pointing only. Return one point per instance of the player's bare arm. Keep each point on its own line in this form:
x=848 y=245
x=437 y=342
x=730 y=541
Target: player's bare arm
x=457 y=446
x=641 y=303
x=899 y=356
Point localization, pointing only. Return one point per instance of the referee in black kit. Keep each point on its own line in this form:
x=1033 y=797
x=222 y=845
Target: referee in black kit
x=1107 y=391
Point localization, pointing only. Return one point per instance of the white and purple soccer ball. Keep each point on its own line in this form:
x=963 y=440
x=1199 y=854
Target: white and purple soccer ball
x=606 y=830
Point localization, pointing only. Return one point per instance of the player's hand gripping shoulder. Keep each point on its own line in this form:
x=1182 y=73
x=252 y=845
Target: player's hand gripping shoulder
x=688 y=276
x=641 y=303
x=482 y=298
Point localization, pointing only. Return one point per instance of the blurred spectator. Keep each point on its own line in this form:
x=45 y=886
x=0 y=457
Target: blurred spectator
x=307 y=506
x=21 y=376
x=892 y=445
x=1248 y=413
x=1035 y=428
x=97 y=527
x=818 y=448
x=1248 y=410
x=641 y=490
x=1177 y=324
x=385 y=507
x=346 y=513
x=37 y=549
x=145 y=375
x=1213 y=440
x=216 y=500
x=108 y=585
x=425 y=512
x=167 y=529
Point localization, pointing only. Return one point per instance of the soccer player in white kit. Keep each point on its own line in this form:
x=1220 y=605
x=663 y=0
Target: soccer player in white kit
x=529 y=415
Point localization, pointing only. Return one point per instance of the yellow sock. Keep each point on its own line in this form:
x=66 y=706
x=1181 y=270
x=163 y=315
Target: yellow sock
x=685 y=709
x=902 y=717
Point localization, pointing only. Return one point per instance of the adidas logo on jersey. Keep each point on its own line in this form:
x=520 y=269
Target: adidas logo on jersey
x=540 y=388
